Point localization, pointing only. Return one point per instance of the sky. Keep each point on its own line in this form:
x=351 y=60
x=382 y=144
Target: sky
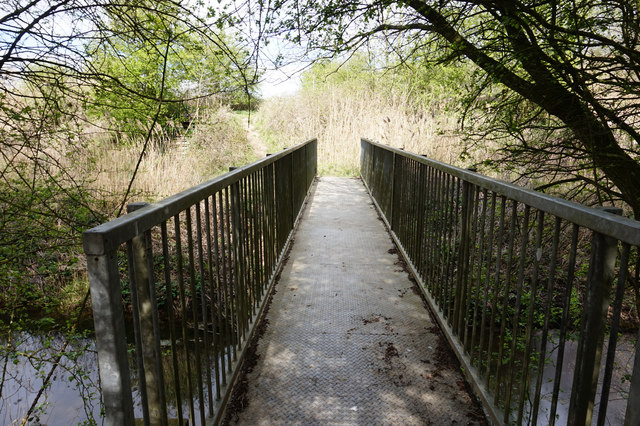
x=284 y=63
x=279 y=83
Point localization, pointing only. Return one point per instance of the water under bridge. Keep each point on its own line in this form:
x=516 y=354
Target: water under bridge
x=419 y=294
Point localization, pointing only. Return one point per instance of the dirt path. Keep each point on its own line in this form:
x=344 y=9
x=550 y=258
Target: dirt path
x=259 y=148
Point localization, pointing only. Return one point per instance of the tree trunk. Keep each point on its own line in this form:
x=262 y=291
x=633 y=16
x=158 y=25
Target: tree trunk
x=545 y=90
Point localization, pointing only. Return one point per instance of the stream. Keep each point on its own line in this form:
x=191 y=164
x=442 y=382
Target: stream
x=72 y=396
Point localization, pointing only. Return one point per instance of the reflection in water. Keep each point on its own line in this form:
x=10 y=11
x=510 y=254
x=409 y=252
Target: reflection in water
x=72 y=396
x=619 y=392
x=619 y=389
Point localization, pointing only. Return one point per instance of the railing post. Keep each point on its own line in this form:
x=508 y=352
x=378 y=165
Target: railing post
x=394 y=192
x=113 y=364
x=463 y=257
x=141 y=247
x=604 y=252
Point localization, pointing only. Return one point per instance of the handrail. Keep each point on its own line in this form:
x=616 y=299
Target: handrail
x=107 y=236
x=618 y=227
x=196 y=269
x=522 y=284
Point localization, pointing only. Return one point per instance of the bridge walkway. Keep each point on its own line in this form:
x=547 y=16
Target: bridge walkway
x=348 y=339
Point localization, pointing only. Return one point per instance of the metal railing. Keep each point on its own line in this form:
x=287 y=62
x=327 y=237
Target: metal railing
x=529 y=289
x=189 y=276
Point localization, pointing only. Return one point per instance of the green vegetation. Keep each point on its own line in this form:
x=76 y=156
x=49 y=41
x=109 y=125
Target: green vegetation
x=556 y=90
x=190 y=67
x=97 y=116
x=340 y=102
x=100 y=104
x=106 y=103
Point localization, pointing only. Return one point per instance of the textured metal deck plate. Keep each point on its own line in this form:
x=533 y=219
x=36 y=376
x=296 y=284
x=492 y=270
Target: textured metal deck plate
x=348 y=341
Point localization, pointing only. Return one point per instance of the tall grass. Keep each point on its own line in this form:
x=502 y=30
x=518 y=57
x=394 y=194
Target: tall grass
x=340 y=115
x=55 y=187
x=209 y=147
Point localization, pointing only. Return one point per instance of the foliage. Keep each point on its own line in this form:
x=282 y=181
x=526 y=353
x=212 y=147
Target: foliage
x=93 y=96
x=343 y=100
x=191 y=67
x=564 y=70
x=68 y=71
x=356 y=73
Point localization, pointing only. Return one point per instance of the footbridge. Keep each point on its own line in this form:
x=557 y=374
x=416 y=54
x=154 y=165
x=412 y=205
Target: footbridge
x=419 y=294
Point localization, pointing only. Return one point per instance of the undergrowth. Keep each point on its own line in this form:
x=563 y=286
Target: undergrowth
x=75 y=186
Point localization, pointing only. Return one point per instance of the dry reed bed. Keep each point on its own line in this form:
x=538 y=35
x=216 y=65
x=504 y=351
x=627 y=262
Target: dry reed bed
x=339 y=117
x=214 y=144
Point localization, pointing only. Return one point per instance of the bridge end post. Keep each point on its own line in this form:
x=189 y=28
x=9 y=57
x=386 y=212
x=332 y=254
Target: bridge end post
x=108 y=318
x=604 y=252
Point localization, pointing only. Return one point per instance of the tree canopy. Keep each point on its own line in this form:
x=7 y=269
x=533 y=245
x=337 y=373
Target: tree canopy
x=75 y=76
x=119 y=58
x=561 y=83
x=68 y=67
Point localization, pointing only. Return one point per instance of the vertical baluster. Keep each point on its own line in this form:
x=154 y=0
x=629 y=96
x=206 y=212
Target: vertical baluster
x=632 y=414
x=214 y=284
x=524 y=383
x=564 y=324
x=516 y=317
x=473 y=255
x=256 y=220
x=233 y=247
x=269 y=221
x=463 y=259
x=417 y=194
x=183 y=315
x=253 y=216
x=505 y=302
x=262 y=262
x=137 y=335
x=247 y=258
x=613 y=335
x=479 y=274
x=221 y=329
x=601 y=273
x=445 y=245
x=172 y=321
x=441 y=228
x=496 y=293
x=140 y=252
x=545 y=331
x=226 y=283
x=434 y=230
x=428 y=231
x=232 y=290
x=393 y=183
x=453 y=255
x=194 y=313
x=206 y=283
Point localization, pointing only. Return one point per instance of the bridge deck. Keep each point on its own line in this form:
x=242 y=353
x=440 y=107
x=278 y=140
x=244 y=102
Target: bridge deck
x=348 y=340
